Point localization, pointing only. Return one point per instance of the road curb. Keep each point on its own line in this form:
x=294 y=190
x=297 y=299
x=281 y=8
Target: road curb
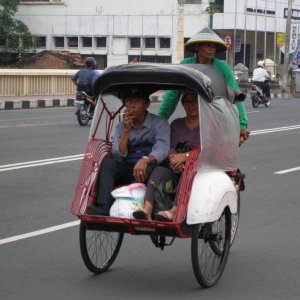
x=48 y=103
x=40 y=103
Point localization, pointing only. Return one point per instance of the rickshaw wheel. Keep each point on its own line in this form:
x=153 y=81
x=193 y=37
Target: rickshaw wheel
x=82 y=116
x=210 y=249
x=235 y=218
x=99 y=248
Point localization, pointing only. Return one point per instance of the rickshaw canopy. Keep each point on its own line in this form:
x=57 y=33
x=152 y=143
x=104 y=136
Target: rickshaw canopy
x=203 y=79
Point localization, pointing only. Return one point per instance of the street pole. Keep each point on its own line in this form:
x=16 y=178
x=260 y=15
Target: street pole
x=245 y=37
x=255 y=37
x=287 y=48
x=234 y=33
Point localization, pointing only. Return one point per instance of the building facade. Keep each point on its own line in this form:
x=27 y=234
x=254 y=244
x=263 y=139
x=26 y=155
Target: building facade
x=116 y=31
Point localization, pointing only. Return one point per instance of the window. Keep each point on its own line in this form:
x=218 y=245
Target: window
x=150 y=43
x=151 y=58
x=41 y=1
x=101 y=42
x=59 y=42
x=40 y=41
x=135 y=42
x=87 y=42
x=192 y=1
x=73 y=42
x=164 y=43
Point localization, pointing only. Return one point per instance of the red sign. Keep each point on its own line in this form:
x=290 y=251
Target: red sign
x=227 y=40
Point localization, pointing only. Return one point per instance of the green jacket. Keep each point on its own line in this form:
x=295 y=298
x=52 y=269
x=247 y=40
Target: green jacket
x=171 y=97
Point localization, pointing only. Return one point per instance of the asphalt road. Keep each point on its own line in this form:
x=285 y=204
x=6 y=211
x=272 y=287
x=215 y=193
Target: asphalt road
x=264 y=262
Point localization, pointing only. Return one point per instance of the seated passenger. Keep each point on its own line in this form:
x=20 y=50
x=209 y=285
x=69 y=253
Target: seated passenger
x=141 y=141
x=185 y=134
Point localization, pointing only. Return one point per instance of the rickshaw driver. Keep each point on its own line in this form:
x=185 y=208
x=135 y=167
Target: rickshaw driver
x=206 y=43
x=141 y=141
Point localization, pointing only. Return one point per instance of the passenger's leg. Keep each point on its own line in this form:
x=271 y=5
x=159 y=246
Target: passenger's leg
x=159 y=173
x=169 y=215
x=111 y=173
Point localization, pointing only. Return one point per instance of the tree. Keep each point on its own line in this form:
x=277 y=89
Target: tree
x=15 y=36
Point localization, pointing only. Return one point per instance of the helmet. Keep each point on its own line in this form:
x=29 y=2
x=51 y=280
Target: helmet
x=260 y=64
x=206 y=35
x=90 y=61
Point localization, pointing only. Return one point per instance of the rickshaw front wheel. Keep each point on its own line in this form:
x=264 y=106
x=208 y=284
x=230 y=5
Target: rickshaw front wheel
x=83 y=115
x=210 y=249
x=235 y=218
x=99 y=248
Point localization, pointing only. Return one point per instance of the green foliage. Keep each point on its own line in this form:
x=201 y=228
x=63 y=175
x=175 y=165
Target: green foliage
x=14 y=34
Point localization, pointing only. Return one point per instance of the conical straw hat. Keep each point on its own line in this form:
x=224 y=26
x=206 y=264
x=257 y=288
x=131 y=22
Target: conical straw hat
x=205 y=35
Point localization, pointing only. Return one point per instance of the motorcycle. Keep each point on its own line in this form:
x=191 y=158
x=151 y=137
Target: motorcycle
x=85 y=106
x=258 y=96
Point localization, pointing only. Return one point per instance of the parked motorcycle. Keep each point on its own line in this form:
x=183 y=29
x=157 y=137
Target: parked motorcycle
x=258 y=96
x=85 y=106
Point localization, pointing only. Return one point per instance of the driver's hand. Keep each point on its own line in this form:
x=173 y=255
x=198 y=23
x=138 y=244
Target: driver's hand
x=244 y=136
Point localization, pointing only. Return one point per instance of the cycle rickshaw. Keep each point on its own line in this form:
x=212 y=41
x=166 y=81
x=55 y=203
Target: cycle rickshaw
x=208 y=201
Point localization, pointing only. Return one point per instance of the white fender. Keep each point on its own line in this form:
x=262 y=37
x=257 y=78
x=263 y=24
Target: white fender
x=211 y=192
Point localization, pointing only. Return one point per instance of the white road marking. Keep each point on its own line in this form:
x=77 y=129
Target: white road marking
x=253 y=111
x=36 y=163
x=271 y=130
x=288 y=171
x=38 y=232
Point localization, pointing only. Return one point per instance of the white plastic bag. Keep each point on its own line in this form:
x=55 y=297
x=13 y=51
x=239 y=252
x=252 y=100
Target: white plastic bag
x=129 y=198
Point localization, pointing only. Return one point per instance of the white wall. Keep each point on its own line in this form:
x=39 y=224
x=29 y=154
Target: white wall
x=114 y=19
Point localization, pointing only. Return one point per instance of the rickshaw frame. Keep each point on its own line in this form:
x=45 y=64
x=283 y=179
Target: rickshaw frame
x=158 y=77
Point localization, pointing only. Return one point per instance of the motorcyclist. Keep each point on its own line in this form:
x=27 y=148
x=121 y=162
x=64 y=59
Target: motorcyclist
x=84 y=79
x=261 y=78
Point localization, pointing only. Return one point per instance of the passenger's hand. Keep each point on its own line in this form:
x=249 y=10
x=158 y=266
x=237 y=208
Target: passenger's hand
x=140 y=170
x=179 y=169
x=127 y=120
x=244 y=136
x=177 y=159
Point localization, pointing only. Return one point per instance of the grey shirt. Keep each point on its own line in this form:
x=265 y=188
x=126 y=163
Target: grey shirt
x=155 y=131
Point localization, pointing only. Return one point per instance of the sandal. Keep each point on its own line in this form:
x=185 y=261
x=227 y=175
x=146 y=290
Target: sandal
x=140 y=214
x=164 y=216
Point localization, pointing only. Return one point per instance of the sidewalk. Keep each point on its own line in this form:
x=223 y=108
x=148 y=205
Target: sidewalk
x=23 y=102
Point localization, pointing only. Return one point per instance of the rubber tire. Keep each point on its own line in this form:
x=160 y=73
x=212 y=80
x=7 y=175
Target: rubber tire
x=268 y=103
x=255 y=102
x=89 y=246
x=220 y=257
x=83 y=110
x=235 y=219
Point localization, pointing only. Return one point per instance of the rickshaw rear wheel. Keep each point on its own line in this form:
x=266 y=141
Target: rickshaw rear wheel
x=99 y=248
x=83 y=116
x=210 y=249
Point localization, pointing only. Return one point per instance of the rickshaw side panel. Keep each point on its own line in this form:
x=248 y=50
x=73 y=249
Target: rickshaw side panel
x=85 y=190
x=212 y=191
